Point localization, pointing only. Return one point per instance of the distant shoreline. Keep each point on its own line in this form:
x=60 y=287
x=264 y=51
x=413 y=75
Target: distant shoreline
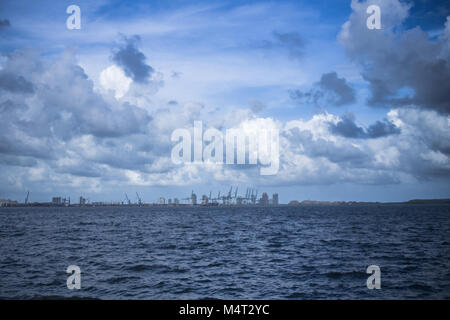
x=293 y=203
x=414 y=201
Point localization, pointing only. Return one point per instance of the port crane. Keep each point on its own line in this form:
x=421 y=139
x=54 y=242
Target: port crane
x=139 y=199
x=216 y=200
x=127 y=199
x=226 y=199
x=248 y=195
x=192 y=198
x=254 y=197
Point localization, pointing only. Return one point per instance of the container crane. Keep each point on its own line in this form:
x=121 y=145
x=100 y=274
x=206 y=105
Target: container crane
x=127 y=199
x=139 y=199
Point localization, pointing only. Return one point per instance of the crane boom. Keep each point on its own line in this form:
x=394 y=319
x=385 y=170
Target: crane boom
x=26 y=199
x=139 y=199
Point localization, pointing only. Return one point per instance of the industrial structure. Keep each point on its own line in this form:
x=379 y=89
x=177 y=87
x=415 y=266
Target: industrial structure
x=229 y=198
x=232 y=198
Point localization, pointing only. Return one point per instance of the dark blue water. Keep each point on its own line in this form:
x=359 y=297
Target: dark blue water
x=311 y=252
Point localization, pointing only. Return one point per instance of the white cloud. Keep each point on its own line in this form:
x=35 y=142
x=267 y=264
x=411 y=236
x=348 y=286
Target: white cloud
x=113 y=78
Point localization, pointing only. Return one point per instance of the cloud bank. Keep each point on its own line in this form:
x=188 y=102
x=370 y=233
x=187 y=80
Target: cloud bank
x=402 y=67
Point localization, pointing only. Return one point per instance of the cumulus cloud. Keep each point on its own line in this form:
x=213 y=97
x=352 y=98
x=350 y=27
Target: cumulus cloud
x=312 y=152
x=347 y=127
x=61 y=104
x=402 y=67
x=132 y=60
x=330 y=89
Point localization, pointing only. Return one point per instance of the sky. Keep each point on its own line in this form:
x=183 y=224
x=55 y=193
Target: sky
x=361 y=114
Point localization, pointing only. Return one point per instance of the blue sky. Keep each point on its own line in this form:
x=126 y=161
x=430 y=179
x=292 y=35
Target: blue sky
x=362 y=115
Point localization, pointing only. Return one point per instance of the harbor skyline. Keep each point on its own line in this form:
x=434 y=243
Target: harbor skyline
x=226 y=198
x=250 y=198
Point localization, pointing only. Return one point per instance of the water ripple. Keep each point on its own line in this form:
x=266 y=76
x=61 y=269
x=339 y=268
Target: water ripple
x=226 y=253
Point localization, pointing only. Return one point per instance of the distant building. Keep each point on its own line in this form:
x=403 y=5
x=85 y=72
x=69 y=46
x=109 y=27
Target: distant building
x=57 y=201
x=264 y=199
x=205 y=199
x=162 y=200
x=176 y=201
x=275 y=199
x=194 y=199
x=169 y=201
x=8 y=203
x=82 y=201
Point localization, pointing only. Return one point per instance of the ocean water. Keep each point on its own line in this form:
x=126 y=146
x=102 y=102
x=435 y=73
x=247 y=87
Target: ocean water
x=308 y=252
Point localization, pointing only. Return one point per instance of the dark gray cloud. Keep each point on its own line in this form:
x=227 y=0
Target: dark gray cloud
x=131 y=60
x=290 y=41
x=401 y=67
x=330 y=82
x=4 y=23
x=15 y=83
x=347 y=128
x=330 y=89
x=381 y=129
